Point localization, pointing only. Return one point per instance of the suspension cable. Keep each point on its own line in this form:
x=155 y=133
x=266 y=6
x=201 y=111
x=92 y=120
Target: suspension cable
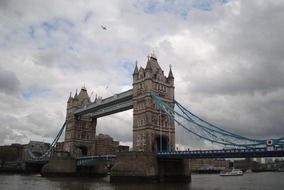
x=209 y=131
x=52 y=145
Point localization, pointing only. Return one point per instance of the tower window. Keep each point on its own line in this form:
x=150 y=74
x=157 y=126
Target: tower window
x=83 y=135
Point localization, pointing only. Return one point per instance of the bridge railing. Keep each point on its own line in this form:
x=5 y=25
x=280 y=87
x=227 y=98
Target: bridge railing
x=84 y=160
x=225 y=153
x=117 y=96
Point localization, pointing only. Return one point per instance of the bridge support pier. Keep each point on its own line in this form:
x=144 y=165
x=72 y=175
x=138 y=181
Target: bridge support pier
x=134 y=167
x=98 y=168
x=59 y=167
x=33 y=167
x=144 y=166
x=174 y=170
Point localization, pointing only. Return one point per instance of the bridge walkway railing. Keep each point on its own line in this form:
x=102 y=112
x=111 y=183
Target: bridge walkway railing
x=225 y=153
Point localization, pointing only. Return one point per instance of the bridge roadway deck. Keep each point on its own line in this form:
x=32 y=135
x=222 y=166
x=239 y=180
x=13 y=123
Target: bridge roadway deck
x=85 y=160
x=224 y=153
x=194 y=154
x=114 y=104
x=199 y=154
x=36 y=161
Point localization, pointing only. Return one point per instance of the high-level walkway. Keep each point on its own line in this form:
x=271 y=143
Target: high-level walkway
x=114 y=104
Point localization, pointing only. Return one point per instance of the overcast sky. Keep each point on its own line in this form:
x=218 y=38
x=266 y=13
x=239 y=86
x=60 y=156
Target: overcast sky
x=227 y=58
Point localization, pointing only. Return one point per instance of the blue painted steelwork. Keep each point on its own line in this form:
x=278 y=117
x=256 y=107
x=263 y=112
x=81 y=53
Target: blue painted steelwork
x=83 y=161
x=247 y=147
x=47 y=153
x=209 y=132
x=225 y=153
x=40 y=162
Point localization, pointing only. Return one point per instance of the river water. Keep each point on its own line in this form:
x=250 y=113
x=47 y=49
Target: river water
x=249 y=181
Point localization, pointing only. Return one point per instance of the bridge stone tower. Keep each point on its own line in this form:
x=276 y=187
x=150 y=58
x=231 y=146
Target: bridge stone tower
x=79 y=132
x=152 y=130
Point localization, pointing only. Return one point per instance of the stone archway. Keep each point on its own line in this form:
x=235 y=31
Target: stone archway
x=37 y=154
x=83 y=150
x=161 y=144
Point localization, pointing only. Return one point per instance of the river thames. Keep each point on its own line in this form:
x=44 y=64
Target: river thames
x=249 y=181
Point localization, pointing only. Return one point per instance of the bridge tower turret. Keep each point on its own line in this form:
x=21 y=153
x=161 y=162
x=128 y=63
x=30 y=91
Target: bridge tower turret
x=152 y=130
x=79 y=132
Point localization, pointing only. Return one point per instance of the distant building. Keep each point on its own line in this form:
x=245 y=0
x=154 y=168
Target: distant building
x=258 y=160
x=245 y=164
x=11 y=153
x=208 y=165
x=123 y=148
x=104 y=144
x=268 y=160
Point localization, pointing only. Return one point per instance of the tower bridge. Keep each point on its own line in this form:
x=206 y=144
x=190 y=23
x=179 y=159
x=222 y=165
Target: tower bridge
x=155 y=115
x=82 y=114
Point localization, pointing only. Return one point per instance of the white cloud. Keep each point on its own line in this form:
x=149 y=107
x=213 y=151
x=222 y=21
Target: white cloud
x=227 y=61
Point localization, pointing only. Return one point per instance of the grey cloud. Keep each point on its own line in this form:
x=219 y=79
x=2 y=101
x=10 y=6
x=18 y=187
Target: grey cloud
x=256 y=79
x=249 y=46
x=240 y=87
x=8 y=133
x=40 y=124
x=119 y=126
x=9 y=83
x=4 y=134
x=8 y=136
x=49 y=58
x=236 y=84
x=4 y=4
x=258 y=32
x=259 y=116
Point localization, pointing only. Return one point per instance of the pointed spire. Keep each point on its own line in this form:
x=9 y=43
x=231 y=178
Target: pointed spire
x=153 y=55
x=148 y=66
x=152 y=63
x=84 y=88
x=171 y=76
x=76 y=94
x=70 y=97
x=136 y=69
x=83 y=94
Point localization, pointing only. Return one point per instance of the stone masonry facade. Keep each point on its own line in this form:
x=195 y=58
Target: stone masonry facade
x=105 y=145
x=152 y=130
x=80 y=133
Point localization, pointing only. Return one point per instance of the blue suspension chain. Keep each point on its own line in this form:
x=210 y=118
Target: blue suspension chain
x=169 y=111
x=215 y=129
x=52 y=145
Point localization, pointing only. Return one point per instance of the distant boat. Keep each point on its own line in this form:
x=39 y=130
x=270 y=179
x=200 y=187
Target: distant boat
x=249 y=171
x=232 y=172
